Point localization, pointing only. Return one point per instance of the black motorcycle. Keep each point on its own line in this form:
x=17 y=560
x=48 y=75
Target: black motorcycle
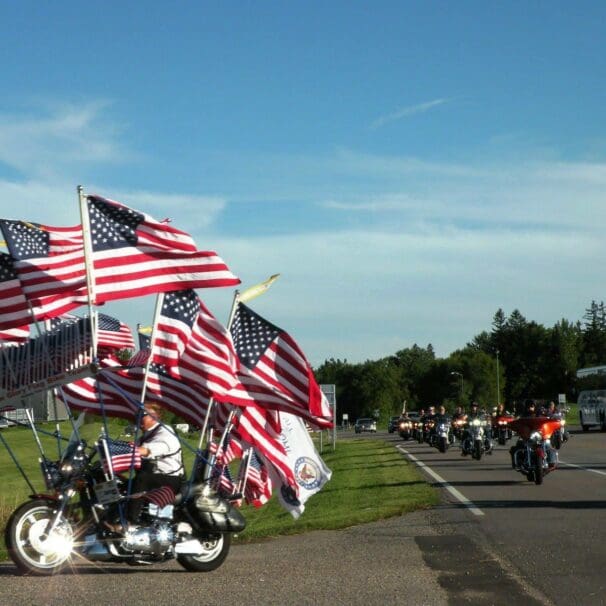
x=70 y=522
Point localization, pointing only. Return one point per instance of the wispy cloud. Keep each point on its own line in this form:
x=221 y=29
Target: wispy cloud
x=47 y=142
x=406 y=112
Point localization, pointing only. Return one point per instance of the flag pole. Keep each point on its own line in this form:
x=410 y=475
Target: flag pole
x=152 y=338
x=88 y=264
x=211 y=402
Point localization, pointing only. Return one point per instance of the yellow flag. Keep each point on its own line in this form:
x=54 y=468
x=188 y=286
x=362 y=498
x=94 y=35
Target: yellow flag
x=258 y=289
x=144 y=330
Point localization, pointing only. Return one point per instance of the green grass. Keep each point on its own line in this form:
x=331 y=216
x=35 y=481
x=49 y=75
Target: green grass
x=572 y=416
x=370 y=481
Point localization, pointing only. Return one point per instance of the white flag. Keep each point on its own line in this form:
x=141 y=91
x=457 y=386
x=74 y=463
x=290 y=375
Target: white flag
x=309 y=469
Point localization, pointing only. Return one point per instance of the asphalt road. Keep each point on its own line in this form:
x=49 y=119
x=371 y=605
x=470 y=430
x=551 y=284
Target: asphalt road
x=551 y=536
x=524 y=544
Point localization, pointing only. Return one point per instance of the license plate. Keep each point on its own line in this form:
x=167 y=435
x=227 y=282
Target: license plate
x=107 y=492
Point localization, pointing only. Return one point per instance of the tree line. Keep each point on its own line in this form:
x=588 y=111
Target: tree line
x=516 y=359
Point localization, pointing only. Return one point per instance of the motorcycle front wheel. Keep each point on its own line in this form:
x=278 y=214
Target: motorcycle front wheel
x=214 y=552
x=442 y=444
x=477 y=451
x=538 y=471
x=28 y=545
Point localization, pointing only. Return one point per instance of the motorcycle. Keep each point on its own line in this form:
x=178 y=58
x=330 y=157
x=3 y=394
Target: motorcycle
x=501 y=428
x=70 y=521
x=405 y=429
x=476 y=440
x=442 y=436
x=560 y=435
x=428 y=434
x=533 y=455
x=458 y=427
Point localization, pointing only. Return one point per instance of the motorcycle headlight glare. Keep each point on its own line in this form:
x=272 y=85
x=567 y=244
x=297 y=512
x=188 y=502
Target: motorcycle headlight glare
x=536 y=436
x=563 y=422
x=476 y=422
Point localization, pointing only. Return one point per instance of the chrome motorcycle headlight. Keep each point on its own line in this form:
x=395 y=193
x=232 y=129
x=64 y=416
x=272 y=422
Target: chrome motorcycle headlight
x=563 y=422
x=476 y=422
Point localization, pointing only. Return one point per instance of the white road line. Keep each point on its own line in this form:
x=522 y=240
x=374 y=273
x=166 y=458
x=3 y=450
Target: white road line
x=602 y=473
x=443 y=483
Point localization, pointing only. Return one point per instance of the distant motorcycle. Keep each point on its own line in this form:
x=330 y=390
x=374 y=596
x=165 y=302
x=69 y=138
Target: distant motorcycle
x=501 y=428
x=442 y=436
x=476 y=440
x=534 y=455
x=405 y=429
x=458 y=427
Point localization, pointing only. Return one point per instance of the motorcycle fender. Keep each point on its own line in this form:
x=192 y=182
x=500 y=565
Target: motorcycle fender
x=540 y=453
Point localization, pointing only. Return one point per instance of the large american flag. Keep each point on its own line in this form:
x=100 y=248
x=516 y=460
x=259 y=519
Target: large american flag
x=14 y=336
x=260 y=428
x=135 y=255
x=194 y=345
x=15 y=306
x=104 y=392
x=114 y=382
x=274 y=373
x=44 y=269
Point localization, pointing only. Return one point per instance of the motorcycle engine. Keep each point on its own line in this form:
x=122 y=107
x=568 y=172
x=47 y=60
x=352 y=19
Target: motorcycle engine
x=154 y=539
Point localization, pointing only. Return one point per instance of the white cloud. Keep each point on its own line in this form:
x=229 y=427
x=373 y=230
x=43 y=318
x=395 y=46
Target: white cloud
x=45 y=145
x=426 y=252
x=406 y=112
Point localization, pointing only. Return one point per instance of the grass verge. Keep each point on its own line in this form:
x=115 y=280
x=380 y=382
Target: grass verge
x=370 y=481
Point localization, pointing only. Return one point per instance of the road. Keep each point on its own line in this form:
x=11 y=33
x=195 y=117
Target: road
x=511 y=543
x=551 y=536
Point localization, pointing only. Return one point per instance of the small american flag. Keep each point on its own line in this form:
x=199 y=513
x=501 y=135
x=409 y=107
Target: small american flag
x=123 y=454
x=113 y=335
x=258 y=488
x=161 y=497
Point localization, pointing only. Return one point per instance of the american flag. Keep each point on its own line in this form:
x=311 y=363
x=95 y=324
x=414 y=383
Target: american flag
x=194 y=346
x=43 y=269
x=222 y=480
x=260 y=428
x=274 y=373
x=120 y=390
x=139 y=358
x=162 y=496
x=14 y=305
x=122 y=454
x=113 y=335
x=14 y=336
x=258 y=488
x=135 y=255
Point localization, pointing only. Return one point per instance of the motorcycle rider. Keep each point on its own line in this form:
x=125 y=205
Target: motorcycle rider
x=161 y=458
x=476 y=413
x=529 y=411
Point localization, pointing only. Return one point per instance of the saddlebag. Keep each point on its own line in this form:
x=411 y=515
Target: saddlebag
x=209 y=512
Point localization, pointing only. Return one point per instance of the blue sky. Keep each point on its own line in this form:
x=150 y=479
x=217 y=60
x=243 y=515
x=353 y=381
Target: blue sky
x=408 y=167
